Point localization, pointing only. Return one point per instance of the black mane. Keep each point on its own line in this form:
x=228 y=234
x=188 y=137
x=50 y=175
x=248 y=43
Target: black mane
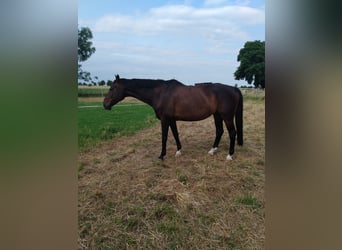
x=203 y=83
x=148 y=83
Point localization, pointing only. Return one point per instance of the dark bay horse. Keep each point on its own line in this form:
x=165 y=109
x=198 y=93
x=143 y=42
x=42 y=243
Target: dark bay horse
x=172 y=101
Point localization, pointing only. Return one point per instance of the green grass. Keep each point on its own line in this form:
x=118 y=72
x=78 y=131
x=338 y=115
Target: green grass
x=96 y=125
x=183 y=179
x=249 y=201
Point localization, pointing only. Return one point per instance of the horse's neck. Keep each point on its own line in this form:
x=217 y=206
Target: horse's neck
x=144 y=95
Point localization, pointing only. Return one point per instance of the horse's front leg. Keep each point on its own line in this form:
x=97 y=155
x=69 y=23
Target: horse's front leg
x=174 y=130
x=165 y=123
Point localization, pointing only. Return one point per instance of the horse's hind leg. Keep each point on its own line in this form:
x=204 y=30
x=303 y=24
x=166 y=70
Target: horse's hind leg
x=232 y=134
x=219 y=132
x=174 y=130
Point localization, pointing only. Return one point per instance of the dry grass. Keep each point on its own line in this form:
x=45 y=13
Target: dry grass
x=128 y=199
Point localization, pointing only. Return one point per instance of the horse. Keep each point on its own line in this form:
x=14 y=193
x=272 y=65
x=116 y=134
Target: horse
x=173 y=101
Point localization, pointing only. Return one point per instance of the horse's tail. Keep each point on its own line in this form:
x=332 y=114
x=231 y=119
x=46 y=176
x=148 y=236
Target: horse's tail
x=239 y=119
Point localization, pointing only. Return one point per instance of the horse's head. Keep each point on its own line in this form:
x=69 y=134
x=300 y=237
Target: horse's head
x=115 y=93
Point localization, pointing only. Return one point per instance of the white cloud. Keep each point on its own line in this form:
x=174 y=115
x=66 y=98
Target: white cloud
x=178 y=19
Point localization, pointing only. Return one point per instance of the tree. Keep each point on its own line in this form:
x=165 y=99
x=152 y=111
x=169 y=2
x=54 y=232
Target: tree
x=252 y=63
x=102 y=83
x=85 y=50
x=109 y=82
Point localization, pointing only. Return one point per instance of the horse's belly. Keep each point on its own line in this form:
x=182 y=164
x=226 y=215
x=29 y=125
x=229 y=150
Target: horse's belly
x=194 y=105
x=194 y=114
x=192 y=117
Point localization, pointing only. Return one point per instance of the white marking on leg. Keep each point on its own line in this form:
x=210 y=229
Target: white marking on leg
x=212 y=151
x=229 y=157
x=178 y=153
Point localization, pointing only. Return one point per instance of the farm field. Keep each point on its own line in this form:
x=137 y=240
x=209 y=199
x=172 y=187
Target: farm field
x=128 y=199
x=96 y=125
x=92 y=91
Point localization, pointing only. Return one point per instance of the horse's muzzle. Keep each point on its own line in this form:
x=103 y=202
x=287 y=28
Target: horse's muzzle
x=106 y=106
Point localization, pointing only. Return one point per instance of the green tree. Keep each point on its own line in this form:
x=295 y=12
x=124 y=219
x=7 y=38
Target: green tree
x=85 y=50
x=252 y=64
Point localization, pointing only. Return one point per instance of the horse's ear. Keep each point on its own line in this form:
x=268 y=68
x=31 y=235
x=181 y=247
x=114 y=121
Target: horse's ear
x=117 y=77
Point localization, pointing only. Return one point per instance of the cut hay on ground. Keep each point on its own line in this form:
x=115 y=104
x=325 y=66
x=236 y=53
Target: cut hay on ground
x=128 y=199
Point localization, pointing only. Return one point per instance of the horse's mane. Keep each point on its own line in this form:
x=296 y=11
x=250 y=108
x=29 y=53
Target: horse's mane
x=149 y=83
x=203 y=83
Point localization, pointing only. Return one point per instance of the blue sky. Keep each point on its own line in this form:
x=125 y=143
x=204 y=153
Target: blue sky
x=191 y=41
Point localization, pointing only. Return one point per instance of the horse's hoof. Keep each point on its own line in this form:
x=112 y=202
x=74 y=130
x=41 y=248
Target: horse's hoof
x=161 y=157
x=178 y=153
x=229 y=158
x=212 y=151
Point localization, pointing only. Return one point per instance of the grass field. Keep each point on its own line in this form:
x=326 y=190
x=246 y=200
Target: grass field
x=128 y=199
x=97 y=125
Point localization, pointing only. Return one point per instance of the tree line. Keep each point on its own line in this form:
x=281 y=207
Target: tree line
x=99 y=83
x=251 y=58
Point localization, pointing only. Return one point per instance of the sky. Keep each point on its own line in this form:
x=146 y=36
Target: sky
x=192 y=41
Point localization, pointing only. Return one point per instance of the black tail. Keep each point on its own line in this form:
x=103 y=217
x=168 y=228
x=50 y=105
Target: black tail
x=239 y=119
